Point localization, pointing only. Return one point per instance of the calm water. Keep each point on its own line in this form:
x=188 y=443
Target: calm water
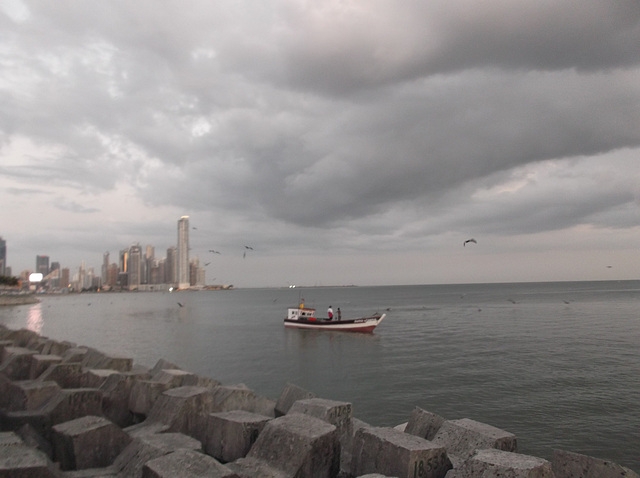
x=557 y=364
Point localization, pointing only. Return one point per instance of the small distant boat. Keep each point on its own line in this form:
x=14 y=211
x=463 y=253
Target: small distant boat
x=305 y=318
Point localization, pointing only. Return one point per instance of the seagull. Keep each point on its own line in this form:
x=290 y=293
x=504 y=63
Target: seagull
x=248 y=247
x=214 y=252
x=206 y=264
x=469 y=240
x=180 y=304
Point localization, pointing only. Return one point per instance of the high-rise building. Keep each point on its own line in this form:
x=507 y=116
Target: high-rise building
x=183 y=252
x=112 y=275
x=105 y=267
x=171 y=266
x=3 y=257
x=134 y=268
x=42 y=265
x=64 y=278
x=149 y=263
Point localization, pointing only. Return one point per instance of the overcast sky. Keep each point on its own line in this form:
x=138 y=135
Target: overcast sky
x=347 y=142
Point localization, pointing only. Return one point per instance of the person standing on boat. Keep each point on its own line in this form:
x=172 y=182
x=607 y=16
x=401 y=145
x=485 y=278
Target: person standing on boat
x=339 y=314
x=330 y=313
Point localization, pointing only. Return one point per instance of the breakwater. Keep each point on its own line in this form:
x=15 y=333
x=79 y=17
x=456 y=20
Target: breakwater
x=69 y=410
x=13 y=298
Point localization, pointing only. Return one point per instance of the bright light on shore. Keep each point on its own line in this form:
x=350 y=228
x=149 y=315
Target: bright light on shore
x=35 y=277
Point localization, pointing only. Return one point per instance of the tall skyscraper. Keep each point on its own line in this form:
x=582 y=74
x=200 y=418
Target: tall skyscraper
x=183 y=252
x=3 y=257
x=42 y=265
x=135 y=266
x=171 y=266
x=105 y=267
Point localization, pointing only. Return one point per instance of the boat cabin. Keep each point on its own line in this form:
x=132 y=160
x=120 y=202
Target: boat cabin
x=297 y=313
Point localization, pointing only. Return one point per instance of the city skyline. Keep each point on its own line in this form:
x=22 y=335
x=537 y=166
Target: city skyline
x=346 y=142
x=133 y=271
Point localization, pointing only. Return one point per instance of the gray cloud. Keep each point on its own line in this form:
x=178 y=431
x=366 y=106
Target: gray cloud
x=385 y=122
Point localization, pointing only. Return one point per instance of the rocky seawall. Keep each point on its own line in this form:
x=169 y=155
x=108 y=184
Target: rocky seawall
x=73 y=411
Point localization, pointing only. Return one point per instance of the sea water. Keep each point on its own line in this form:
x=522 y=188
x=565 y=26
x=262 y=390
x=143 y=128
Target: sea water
x=557 y=364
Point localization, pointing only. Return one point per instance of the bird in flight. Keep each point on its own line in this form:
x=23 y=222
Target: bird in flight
x=469 y=240
x=206 y=264
x=214 y=252
x=248 y=247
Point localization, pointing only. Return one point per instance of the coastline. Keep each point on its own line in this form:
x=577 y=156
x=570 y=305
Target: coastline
x=18 y=299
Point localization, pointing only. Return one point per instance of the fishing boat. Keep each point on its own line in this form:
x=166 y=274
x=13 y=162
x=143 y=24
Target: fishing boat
x=305 y=318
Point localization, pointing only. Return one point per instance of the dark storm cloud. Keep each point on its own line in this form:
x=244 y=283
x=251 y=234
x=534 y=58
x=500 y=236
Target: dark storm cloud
x=385 y=42
x=369 y=117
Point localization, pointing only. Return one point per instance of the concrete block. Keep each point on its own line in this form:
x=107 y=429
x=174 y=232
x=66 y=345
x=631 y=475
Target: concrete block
x=294 y=445
x=18 y=460
x=183 y=410
x=94 y=378
x=574 y=465
x=16 y=363
x=29 y=394
x=186 y=464
x=21 y=337
x=161 y=365
x=69 y=404
x=199 y=381
x=10 y=439
x=53 y=347
x=99 y=360
x=40 y=363
x=145 y=448
x=423 y=424
x=87 y=442
x=240 y=397
x=67 y=375
x=31 y=437
x=338 y=414
x=74 y=354
x=463 y=437
x=395 y=453
x=493 y=463
x=144 y=393
x=116 y=391
x=230 y=435
x=4 y=344
x=290 y=394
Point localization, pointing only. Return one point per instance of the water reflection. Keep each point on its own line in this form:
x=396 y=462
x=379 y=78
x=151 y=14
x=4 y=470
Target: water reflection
x=34 y=318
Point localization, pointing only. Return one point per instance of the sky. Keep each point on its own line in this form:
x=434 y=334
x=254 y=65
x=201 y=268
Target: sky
x=346 y=142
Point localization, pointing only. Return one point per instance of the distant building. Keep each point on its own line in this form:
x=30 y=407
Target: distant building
x=105 y=267
x=64 y=278
x=171 y=266
x=112 y=275
x=42 y=265
x=134 y=269
x=3 y=257
x=183 y=252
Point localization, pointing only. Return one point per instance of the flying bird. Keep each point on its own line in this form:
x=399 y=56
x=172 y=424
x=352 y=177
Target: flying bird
x=180 y=304
x=214 y=252
x=469 y=240
x=248 y=247
x=206 y=264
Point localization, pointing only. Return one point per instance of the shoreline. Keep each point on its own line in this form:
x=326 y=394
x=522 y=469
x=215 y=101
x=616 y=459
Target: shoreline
x=18 y=299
